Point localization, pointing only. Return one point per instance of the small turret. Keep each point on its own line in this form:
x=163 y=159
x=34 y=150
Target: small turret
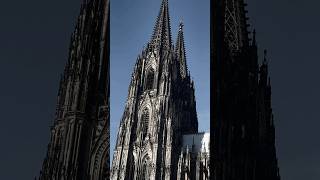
x=254 y=41
x=181 y=52
x=264 y=70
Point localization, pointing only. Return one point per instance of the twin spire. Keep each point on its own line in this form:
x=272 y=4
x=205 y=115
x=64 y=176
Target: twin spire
x=161 y=38
x=181 y=52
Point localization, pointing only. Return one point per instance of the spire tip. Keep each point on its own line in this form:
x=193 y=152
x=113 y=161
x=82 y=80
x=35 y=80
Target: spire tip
x=181 y=25
x=265 y=54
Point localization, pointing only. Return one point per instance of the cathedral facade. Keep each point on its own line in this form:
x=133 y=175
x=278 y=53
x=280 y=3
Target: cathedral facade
x=158 y=136
x=79 y=144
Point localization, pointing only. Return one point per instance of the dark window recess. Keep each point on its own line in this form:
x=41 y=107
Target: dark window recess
x=145 y=123
x=150 y=80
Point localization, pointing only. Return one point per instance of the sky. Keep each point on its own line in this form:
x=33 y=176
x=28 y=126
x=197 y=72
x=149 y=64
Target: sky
x=132 y=24
x=34 y=40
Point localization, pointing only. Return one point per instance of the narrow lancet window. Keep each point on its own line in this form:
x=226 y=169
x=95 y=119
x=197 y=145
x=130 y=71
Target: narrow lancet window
x=145 y=123
x=143 y=174
x=149 y=80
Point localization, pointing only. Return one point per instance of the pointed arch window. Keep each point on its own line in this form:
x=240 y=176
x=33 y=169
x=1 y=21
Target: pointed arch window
x=145 y=123
x=132 y=169
x=150 y=79
x=144 y=173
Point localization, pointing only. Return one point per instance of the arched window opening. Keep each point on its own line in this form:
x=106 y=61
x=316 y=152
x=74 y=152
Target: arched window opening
x=143 y=174
x=150 y=80
x=132 y=169
x=145 y=123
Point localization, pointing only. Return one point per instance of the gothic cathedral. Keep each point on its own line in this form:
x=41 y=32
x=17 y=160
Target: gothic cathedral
x=79 y=144
x=158 y=136
x=243 y=144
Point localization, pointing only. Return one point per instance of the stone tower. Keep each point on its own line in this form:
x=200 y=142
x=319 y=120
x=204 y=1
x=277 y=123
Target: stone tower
x=79 y=144
x=159 y=111
x=244 y=133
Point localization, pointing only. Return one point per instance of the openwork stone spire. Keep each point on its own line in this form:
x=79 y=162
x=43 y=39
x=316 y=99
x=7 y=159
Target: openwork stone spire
x=236 y=34
x=181 y=52
x=161 y=37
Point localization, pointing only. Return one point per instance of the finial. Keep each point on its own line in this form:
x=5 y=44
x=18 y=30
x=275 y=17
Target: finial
x=272 y=120
x=265 y=56
x=269 y=81
x=181 y=25
x=254 y=37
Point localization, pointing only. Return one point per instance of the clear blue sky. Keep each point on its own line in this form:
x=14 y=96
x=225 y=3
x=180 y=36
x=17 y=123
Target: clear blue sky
x=132 y=23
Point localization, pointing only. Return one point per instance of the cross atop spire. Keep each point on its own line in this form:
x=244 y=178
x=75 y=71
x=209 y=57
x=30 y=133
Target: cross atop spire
x=161 y=37
x=181 y=51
